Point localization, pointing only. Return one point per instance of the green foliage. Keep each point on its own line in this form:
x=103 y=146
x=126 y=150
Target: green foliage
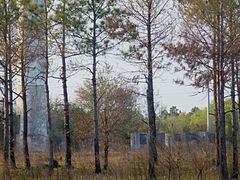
x=103 y=20
x=173 y=111
x=195 y=120
x=175 y=121
x=11 y=15
x=184 y=121
x=172 y=121
x=198 y=120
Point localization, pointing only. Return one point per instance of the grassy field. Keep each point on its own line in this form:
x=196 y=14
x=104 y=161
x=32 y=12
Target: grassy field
x=189 y=161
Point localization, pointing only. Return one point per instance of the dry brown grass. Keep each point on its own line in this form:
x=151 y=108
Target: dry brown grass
x=189 y=161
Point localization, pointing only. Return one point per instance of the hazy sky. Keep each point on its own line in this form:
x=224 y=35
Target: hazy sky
x=167 y=93
x=184 y=97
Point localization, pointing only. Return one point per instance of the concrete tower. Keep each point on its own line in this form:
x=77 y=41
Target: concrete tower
x=33 y=41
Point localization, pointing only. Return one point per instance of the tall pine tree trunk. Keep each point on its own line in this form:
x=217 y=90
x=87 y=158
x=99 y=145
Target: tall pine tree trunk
x=25 y=114
x=22 y=68
x=238 y=97
x=6 y=115
x=150 y=102
x=68 y=159
x=215 y=95
x=11 y=125
x=238 y=88
x=95 y=105
x=25 y=117
x=223 y=157
x=6 y=90
x=234 y=125
x=233 y=107
x=49 y=119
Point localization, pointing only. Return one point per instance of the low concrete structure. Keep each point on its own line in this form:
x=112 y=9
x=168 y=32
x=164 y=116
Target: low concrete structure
x=140 y=139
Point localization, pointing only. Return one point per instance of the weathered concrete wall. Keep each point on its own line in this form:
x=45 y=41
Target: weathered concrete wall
x=138 y=139
x=36 y=105
x=38 y=136
x=37 y=120
x=36 y=95
x=169 y=139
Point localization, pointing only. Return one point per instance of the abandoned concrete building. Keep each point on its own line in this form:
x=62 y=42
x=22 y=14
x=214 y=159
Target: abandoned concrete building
x=140 y=139
x=35 y=91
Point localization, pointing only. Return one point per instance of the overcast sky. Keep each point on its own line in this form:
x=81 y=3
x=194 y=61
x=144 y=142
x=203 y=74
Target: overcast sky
x=167 y=93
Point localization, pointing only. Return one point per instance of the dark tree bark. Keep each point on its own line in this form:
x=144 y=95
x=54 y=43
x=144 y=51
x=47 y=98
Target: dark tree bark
x=233 y=107
x=223 y=157
x=234 y=124
x=150 y=102
x=11 y=125
x=6 y=90
x=106 y=140
x=215 y=94
x=106 y=151
x=68 y=160
x=25 y=113
x=23 y=83
x=6 y=116
x=238 y=88
x=49 y=119
x=65 y=95
x=95 y=106
x=238 y=97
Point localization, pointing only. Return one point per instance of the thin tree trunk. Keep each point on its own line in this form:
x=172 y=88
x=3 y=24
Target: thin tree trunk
x=51 y=165
x=25 y=116
x=235 y=126
x=6 y=117
x=23 y=64
x=106 y=141
x=223 y=159
x=11 y=128
x=106 y=151
x=150 y=103
x=216 y=115
x=215 y=93
x=219 y=110
x=6 y=100
x=238 y=88
x=11 y=132
x=238 y=92
x=65 y=95
x=95 y=106
x=234 y=112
